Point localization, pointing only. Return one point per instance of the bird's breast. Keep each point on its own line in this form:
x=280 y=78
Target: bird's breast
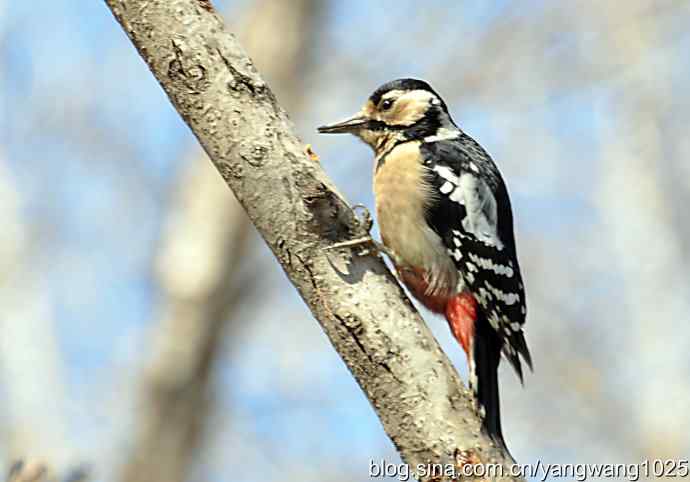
x=402 y=197
x=400 y=202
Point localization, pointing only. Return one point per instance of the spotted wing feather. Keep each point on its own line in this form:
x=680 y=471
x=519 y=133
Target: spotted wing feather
x=471 y=212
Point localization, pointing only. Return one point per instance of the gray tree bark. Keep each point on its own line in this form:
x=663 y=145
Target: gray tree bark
x=199 y=299
x=210 y=80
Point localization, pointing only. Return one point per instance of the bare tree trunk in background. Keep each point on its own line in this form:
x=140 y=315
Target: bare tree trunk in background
x=201 y=254
x=409 y=381
x=30 y=359
x=640 y=221
x=32 y=436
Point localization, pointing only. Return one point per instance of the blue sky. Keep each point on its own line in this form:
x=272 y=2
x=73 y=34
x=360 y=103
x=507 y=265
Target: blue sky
x=93 y=149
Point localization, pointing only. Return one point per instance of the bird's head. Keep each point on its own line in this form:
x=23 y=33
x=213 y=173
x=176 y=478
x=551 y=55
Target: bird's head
x=403 y=109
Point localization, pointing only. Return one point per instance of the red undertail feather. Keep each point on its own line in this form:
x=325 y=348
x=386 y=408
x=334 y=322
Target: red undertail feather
x=459 y=309
x=461 y=313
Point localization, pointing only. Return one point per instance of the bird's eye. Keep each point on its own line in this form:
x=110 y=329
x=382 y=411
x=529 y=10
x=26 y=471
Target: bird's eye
x=386 y=104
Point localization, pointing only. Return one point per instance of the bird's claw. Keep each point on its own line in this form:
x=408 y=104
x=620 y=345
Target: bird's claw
x=364 y=225
x=366 y=242
x=370 y=246
x=365 y=221
x=363 y=242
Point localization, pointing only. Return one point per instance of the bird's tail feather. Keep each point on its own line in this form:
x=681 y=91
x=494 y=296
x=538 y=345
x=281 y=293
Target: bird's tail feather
x=486 y=354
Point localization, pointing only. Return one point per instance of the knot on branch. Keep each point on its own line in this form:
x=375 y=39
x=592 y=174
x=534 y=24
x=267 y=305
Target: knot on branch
x=246 y=81
x=330 y=216
x=187 y=71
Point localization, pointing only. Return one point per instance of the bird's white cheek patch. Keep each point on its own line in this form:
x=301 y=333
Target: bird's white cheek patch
x=409 y=107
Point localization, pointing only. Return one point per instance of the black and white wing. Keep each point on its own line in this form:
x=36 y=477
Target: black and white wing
x=471 y=213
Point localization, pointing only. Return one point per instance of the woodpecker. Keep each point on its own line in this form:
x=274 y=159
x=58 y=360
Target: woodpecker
x=446 y=222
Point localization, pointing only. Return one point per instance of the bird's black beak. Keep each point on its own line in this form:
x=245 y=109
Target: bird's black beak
x=348 y=126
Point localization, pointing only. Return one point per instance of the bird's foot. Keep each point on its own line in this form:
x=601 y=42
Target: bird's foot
x=370 y=246
x=365 y=222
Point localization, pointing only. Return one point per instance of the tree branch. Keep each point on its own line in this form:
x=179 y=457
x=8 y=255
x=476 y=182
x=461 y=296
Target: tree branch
x=199 y=300
x=210 y=80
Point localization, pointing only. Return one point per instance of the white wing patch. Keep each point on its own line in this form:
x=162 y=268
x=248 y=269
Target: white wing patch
x=447 y=187
x=447 y=173
x=482 y=216
x=480 y=204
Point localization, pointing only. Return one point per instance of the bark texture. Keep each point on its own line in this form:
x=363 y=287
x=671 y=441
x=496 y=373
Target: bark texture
x=212 y=83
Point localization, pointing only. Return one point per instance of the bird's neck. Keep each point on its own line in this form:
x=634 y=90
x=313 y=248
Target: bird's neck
x=386 y=141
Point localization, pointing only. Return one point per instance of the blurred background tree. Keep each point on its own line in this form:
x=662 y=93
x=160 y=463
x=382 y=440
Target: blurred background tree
x=582 y=104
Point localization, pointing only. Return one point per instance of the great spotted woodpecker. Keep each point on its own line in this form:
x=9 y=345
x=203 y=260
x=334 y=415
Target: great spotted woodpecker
x=446 y=222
